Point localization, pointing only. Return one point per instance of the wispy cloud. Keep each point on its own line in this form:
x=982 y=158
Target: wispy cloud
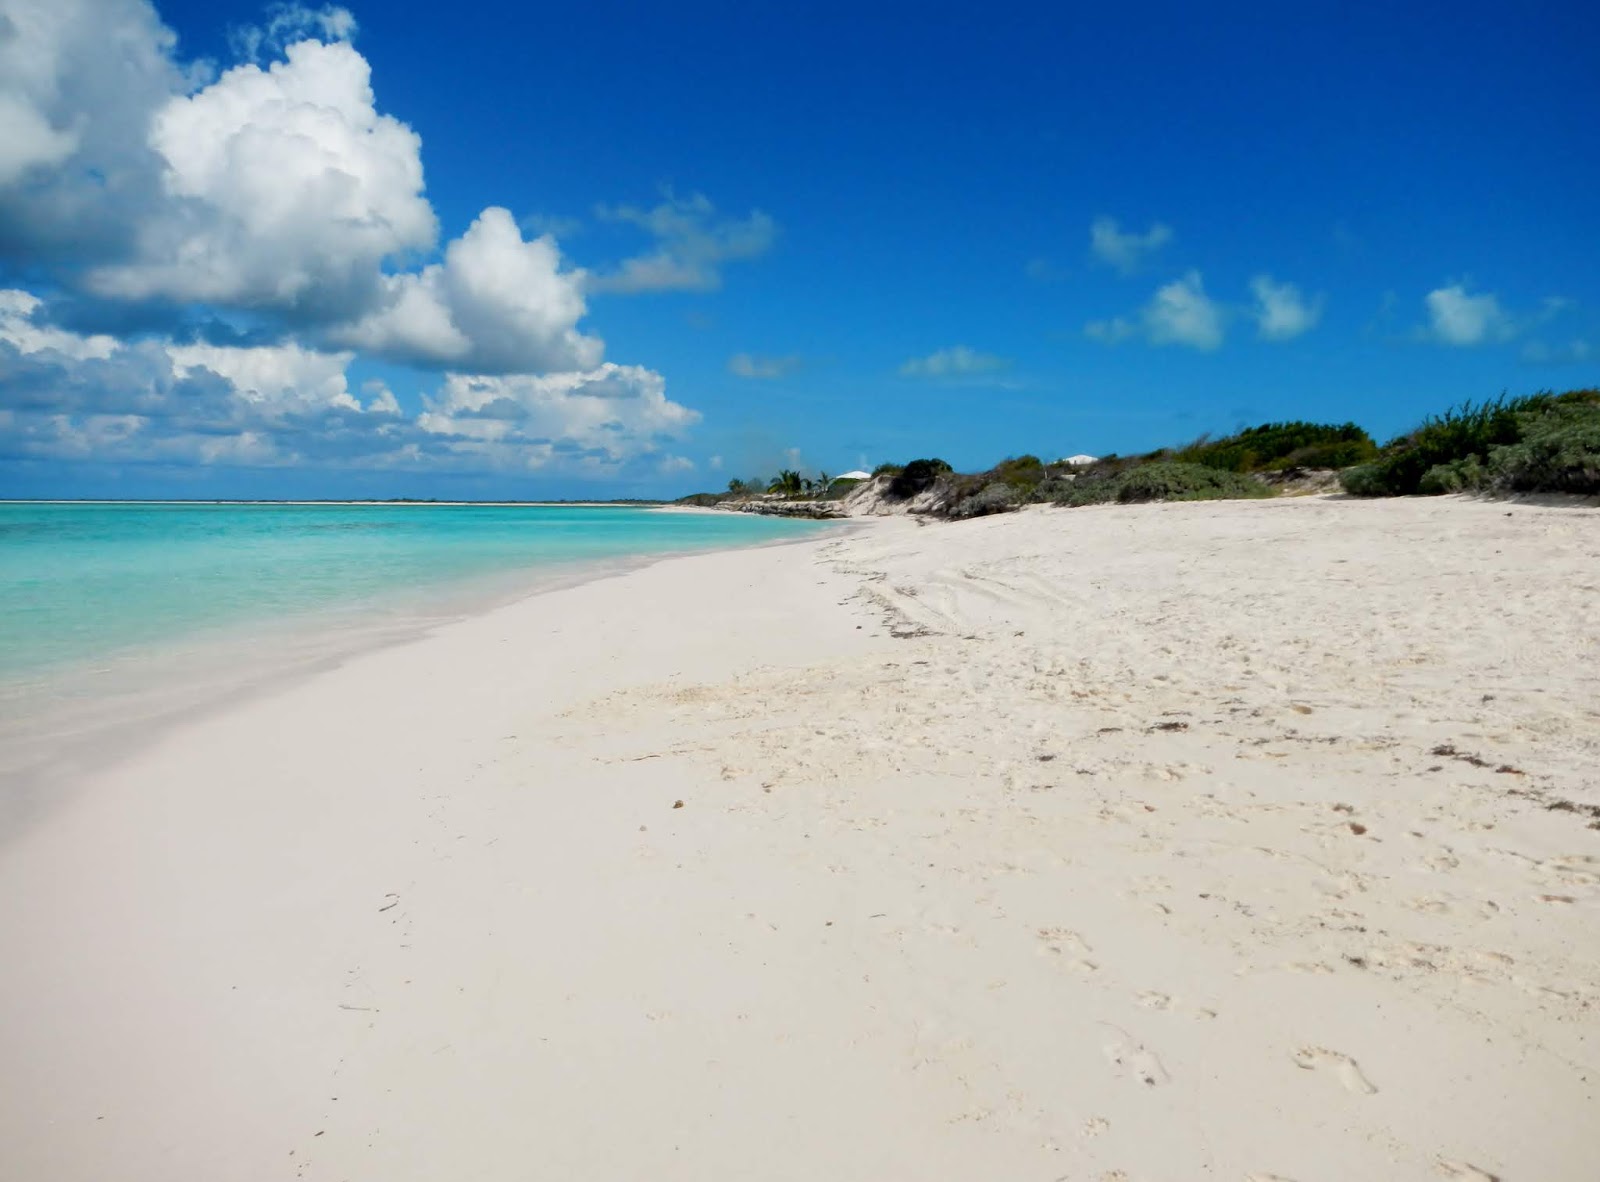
x=956 y=361
x=1127 y=251
x=1573 y=352
x=749 y=365
x=693 y=242
x=1281 y=311
x=288 y=23
x=1110 y=332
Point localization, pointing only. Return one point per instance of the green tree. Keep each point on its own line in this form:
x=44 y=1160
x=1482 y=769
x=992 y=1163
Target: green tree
x=788 y=482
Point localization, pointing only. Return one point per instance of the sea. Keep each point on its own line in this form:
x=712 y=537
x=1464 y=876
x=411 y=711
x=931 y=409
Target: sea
x=115 y=616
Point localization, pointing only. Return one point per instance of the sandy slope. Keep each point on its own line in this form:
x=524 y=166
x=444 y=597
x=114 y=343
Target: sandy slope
x=1174 y=842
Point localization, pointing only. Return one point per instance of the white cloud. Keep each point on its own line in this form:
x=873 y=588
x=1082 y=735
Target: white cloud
x=19 y=330
x=1127 y=251
x=1456 y=317
x=79 y=80
x=1182 y=314
x=674 y=465
x=287 y=189
x=692 y=244
x=70 y=397
x=277 y=198
x=1281 y=311
x=29 y=141
x=610 y=413
x=497 y=304
x=748 y=365
x=275 y=378
x=956 y=361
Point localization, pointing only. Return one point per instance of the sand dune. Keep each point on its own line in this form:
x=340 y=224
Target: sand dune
x=1238 y=840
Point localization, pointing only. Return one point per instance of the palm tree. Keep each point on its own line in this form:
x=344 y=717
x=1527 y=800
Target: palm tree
x=788 y=482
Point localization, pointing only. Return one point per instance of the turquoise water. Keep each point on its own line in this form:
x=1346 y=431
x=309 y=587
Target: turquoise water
x=88 y=583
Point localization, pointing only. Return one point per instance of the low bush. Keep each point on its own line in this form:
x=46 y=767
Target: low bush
x=916 y=476
x=995 y=497
x=1160 y=481
x=1481 y=446
x=1021 y=472
x=1559 y=452
x=1283 y=445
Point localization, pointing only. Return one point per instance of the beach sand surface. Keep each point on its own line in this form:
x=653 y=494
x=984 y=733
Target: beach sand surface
x=1251 y=841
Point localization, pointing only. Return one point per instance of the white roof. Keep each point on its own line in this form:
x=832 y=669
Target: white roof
x=854 y=476
x=1077 y=460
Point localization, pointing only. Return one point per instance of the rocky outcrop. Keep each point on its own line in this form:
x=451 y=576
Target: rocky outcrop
x=814 y=510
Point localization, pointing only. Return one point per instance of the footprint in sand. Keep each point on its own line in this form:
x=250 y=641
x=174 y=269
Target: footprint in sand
x=1461 y=1171
x=1132 y=1058
x=1060 y=941
x=1349 y=1073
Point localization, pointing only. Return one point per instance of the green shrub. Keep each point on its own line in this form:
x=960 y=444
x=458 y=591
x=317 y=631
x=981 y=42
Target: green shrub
x=1559 y=451
x=1161 y=481
x=888 y=469
x=1021 y=472
x=1185 y=482
x=995 y=497
x=1476 y=432
x=1468 y=475
x=1283 y=445
x=1364 y=480
x=916 y=476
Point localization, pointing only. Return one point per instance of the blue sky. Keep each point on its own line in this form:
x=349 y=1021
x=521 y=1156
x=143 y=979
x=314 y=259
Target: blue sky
x=614 y=249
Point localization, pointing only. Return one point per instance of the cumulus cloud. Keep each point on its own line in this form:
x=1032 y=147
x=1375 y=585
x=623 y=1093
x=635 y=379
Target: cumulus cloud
x=276 y=202
x=1125 y=250
x=287 y=190
x=1281 y=311
x=1180 y=313
x=496 y=304
x=274 y=379
x=605 y=414
x=79 y=80
x=749 y=365
x=19 y=329
x=278 y=191
x=692 y=243
x=1457 y=317
x=956 y=361
x=70 y=396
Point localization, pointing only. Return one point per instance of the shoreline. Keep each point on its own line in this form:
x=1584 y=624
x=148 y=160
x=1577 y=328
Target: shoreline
x=91 y=725
x=1233 y=839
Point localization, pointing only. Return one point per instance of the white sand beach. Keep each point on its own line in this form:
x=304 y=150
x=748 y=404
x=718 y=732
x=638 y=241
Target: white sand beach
x=1235 y=840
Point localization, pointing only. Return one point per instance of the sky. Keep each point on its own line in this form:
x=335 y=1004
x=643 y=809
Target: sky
x=607 y=249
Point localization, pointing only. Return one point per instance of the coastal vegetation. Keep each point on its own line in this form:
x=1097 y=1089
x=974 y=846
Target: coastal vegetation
x=1541 y=442
x=1538 y=443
